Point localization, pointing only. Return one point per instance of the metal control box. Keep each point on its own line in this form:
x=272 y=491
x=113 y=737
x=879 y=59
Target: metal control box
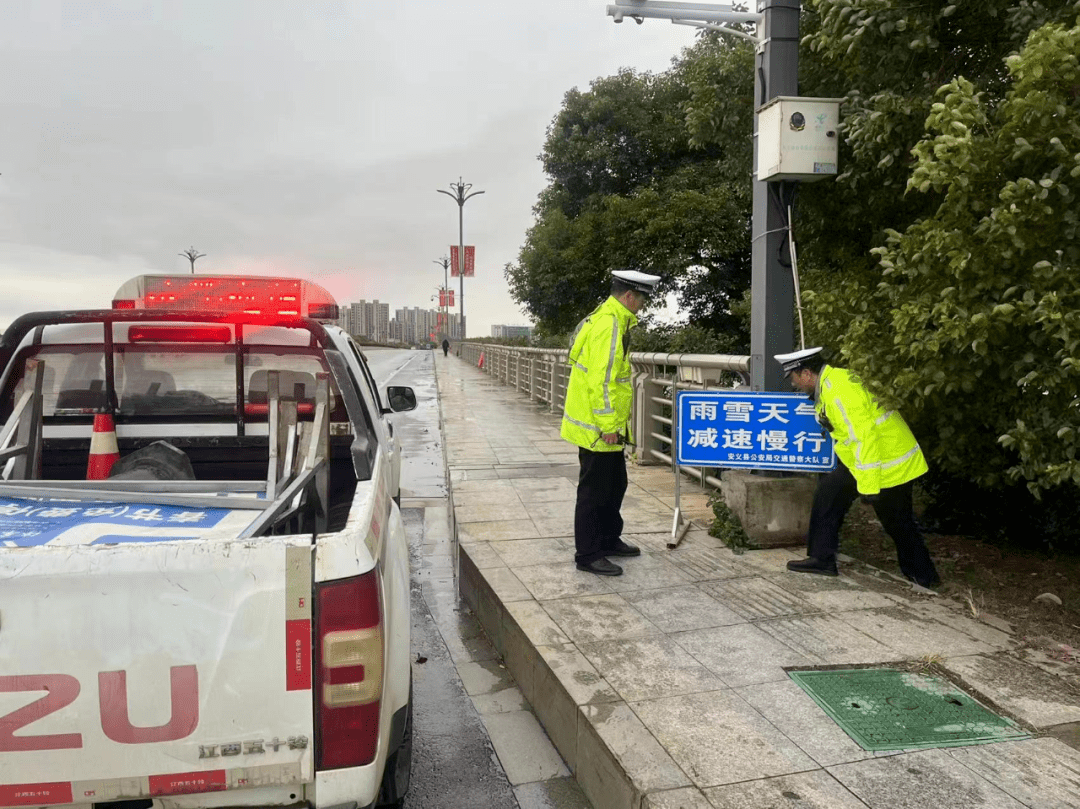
x=798 y=139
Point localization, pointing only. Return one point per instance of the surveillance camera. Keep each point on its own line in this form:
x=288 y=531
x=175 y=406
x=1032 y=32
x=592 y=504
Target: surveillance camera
x=639 y=20
x=618 y=17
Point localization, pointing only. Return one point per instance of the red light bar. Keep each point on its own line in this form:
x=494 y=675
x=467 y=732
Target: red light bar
x=234 y=294
x=185 y=334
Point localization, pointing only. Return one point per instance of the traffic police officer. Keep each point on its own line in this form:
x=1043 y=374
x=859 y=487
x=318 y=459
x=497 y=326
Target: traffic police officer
x=596 y=418
x=876 y=456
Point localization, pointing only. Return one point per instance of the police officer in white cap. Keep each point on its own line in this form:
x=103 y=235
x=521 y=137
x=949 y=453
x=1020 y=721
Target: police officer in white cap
x=596 y=418
x=876 y=456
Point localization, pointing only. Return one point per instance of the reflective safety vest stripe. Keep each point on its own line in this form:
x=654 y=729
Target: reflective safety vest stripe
x=599 y=395
x=876 y=445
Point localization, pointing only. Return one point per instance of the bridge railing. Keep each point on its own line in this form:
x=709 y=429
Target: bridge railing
x=543 y=374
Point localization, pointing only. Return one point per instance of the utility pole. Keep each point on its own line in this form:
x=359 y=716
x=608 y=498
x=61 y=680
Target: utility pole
x=776 y=73
x=191 y=254
x=772 y=295
x=461 y=195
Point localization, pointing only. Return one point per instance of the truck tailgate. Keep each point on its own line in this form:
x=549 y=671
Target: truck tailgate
x=154 y=668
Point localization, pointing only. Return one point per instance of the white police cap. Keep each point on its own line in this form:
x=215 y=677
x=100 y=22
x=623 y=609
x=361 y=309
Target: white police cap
x=795 y=360
x=640 y=281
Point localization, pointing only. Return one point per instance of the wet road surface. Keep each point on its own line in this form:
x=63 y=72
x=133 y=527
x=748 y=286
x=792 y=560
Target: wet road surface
x=454 y=763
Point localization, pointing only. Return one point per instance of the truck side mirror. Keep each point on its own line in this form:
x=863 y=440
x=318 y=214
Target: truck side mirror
x=401 y=398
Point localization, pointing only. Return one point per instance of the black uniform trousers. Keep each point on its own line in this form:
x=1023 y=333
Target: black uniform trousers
x=601 y=487
x=836 y=492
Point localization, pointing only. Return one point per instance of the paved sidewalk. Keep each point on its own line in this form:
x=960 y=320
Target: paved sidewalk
x=667 y=687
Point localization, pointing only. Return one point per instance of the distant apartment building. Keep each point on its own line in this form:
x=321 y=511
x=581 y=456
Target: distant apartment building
x=416 y=325
x=505 y=332
x=368 y=319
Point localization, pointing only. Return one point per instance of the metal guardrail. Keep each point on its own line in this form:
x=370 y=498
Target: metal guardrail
x=543 y=373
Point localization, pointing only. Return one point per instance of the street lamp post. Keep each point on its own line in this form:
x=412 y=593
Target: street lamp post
x=192 y=255
x=461 y=195
x=444 y=262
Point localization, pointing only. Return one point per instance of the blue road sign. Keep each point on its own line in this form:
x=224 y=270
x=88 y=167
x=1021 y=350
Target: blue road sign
x=751 y=431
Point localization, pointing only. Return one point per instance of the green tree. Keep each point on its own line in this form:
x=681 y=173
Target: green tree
x=629 y=189
x=980 y=300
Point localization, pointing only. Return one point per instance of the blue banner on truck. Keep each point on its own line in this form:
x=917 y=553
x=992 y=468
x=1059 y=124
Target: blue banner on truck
x=751 y=431
x=26 y=522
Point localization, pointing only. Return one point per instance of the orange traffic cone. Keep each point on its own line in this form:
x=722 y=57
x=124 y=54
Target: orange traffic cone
x=481 y=365
x=104 y=451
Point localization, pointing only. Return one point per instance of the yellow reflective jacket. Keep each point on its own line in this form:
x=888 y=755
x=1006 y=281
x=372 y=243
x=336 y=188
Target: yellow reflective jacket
x=599 y=395
x=876 y=445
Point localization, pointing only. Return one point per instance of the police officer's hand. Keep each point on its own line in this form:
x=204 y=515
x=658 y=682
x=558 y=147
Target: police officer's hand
x=611 y=438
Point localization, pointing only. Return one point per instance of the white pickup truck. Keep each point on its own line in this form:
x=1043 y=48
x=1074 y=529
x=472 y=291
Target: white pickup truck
x=223 y=621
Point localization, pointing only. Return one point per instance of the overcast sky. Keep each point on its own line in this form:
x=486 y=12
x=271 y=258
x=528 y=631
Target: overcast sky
x=286 y=137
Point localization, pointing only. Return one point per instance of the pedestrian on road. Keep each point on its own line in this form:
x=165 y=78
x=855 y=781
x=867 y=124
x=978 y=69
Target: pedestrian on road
x=596 y=418
x=445 y=346
x=876 y=457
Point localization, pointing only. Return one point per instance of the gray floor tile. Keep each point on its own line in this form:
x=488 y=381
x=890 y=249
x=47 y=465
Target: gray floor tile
x=491 y=512
x=831 y=594
x=639 y=753
x=541 y=490
x=678 y=609
x=755 y=598
x=649 y=571
x=505 y=701
x=828 y=639
x=536 y=623
x=482 y=554
x=576 y=674
x=524 y=552
x=928 y=778
x=499 y=529
x=1040 y=773
x=1029 y=693
x=595 y=618
x=647 y=668
x=555 y=793
x=741 y=654
x=807 y=790
x=523 y=748
x=562 y=580
x=795 y=714
x=695 y=728
x=505 y=584
x=708 y=564
x=912 y=636
x=484 y=677
x=685 y=798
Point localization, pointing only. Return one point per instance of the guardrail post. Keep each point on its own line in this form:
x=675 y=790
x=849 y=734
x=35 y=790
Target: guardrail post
x=553 y=382
x=644 y=410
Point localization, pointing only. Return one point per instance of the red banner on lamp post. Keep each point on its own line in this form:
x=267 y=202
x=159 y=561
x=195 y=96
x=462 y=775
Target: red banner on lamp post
x=451 y=294
x=442 y=297
x=470 y=261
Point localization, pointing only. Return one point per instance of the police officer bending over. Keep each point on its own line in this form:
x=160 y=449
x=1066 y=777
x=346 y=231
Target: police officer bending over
x=599 y=400
x=876 y=456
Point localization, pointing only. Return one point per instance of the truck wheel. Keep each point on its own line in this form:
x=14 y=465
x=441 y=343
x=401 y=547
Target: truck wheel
x=396 y=776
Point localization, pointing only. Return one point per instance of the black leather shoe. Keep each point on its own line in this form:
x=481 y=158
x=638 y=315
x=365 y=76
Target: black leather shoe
x=812 y=565
x=601 y=567
x=621 y=548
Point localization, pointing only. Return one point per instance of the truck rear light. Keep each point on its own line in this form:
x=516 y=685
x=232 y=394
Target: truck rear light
x=350 y=668
x=126 y=304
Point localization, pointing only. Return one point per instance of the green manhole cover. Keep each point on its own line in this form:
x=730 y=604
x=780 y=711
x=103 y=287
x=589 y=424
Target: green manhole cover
x=887 y=709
